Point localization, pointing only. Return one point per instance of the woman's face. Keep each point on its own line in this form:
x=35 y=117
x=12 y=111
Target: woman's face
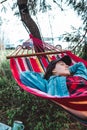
x=61 y=69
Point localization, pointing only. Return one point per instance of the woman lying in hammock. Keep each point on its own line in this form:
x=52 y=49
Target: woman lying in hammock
x=60 y=79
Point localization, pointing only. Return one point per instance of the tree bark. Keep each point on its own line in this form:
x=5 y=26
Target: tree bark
x=29 y=22
x=26 y=18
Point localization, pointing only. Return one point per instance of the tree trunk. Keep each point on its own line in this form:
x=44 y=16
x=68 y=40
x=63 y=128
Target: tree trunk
x=84 y=52
x=29 y=22
x=26 y=18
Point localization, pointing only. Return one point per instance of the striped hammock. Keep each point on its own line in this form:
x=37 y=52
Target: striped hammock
x=74 y=105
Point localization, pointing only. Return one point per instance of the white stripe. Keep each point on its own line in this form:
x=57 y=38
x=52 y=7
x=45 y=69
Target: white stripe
x=18 y=66
x=25 y=65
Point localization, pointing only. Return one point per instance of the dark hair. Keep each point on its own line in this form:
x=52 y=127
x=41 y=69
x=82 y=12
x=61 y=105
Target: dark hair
x=66 y=59
x=49 y=70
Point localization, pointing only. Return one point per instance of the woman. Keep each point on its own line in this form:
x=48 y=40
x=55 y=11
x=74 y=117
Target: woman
x=60 y=79
x=65 y=80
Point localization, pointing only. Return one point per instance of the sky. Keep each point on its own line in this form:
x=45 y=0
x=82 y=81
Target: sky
x=52 y=24
x=12 y=26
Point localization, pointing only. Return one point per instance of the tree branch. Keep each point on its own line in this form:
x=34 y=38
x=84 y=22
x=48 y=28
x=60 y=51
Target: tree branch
x=3 y=1
x=80 y=40
x=58 y=5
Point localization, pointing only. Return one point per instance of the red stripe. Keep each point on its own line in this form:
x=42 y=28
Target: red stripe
x=44 y=62
x=14 y=69
x=62 y=54
x=20 y=61
x=53 y=57
x=67 y=102
x=35 y=65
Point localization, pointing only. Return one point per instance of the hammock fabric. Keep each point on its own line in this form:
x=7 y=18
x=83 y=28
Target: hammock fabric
x=74 y=105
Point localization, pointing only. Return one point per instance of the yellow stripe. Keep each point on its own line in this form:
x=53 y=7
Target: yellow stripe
x=41 y=69
x=49 y=58
x=80 y=102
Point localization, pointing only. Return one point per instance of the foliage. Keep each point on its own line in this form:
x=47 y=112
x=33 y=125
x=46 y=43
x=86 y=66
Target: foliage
x=80 y=6
x=36 y=113
x=77 y=41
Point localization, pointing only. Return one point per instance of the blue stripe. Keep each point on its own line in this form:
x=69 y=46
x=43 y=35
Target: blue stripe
x=41 y=64
x=28 y=64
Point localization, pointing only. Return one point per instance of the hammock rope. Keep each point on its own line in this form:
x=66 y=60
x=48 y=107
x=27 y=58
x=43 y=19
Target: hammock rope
x=37 y=62
x=26 y=49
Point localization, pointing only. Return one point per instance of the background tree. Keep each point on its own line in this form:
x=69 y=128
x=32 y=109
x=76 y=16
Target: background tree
x=78 y=38
x=27 y=7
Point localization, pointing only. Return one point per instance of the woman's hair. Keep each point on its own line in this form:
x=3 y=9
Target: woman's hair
x=66 y=59
x=49 y=70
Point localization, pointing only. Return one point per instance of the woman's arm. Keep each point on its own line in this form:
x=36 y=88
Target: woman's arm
x=78 y=69
x=33 y=80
